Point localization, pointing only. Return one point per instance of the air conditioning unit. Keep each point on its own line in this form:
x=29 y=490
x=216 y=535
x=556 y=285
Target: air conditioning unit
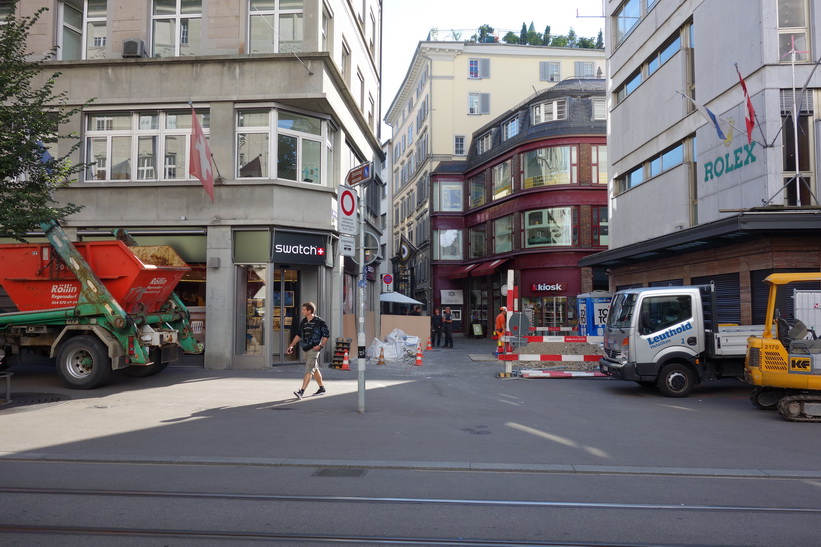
x=133 y=47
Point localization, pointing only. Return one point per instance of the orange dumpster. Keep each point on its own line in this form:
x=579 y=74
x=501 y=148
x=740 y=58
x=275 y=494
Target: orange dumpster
x=141 y=279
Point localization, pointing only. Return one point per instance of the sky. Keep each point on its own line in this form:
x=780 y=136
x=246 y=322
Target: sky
x=407 y=22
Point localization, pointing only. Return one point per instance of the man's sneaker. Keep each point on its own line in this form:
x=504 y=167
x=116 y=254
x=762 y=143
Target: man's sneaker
x=299 y=393
x=320 y=391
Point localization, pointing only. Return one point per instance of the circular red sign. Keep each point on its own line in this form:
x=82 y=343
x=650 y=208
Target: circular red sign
x=387 y=278
x=347 y=203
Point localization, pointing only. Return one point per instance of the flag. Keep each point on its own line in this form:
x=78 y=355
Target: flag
x=714 y=120
x=200 y=156
x=406 y=249
x=750 y=117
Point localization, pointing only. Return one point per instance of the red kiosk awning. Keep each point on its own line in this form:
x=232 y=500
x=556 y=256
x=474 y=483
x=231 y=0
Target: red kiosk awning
x=487 y=268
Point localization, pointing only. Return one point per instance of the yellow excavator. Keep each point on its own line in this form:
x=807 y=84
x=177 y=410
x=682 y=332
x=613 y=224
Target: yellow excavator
x=784 y=364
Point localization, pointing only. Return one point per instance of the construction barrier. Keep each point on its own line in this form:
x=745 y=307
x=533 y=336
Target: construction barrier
x=419 y=355
x=345 y=363
x=536 y=357
x=381 y=360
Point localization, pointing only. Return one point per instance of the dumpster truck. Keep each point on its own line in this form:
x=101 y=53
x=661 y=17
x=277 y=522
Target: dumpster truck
x=96 y=307
x=670 y=337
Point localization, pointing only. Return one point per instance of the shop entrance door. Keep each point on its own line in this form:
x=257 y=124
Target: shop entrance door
x=285 y=314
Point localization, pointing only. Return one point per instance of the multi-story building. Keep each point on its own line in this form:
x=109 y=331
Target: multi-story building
x=450 y=90
x=287 y=92
x=694 y=201
x=532 y=199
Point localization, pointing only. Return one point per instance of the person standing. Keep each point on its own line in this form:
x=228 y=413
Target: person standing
x=436 y=328
x=312 y=335
x=501 y=323
x=447 y=324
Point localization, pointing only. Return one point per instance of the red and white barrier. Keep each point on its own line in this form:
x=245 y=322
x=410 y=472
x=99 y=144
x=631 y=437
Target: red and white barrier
x=561 y=374
x=571 y=339
x=536 y=357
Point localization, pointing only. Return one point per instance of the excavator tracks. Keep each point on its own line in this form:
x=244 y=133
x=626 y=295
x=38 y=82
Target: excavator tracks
x=803 y=407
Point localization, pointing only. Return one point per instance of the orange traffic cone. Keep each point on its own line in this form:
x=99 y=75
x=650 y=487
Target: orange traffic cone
x=381 y=360
x=345 y=362
x=419 y=355
x=429 y=346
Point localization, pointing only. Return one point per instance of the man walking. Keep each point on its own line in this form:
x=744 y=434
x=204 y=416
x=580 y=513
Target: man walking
x=312 y=335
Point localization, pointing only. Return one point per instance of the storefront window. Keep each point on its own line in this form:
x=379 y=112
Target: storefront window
x=550 y=227
x=251 y=285
x=549 y=311
x=503 y=234
x=551 y=166
x=448 y=245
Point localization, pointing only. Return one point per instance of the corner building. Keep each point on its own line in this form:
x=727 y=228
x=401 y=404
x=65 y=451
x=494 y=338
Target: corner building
x=532 y=198
x=691 y=203
x=287 y=93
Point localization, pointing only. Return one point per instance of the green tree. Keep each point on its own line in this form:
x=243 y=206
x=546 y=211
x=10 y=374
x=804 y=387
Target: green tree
x=559 y=41
x=510 y=38
x=523 y=34
x=585 y=43
x=546 y=37
x=571 y=38
x=485 y=34
x=30 y=116
x=600 y=41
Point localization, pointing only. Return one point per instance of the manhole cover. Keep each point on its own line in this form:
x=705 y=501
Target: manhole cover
x=31 y=401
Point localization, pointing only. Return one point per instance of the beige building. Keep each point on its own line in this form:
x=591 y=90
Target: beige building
x=452 y=89
x=287 y=92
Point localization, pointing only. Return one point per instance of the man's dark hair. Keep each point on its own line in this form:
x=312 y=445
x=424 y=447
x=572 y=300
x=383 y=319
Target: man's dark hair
x=309 y=306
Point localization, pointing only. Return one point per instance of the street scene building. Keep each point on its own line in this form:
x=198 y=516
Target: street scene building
x=694 y=200
x=287 y=93
x=452 y=89
x=532 y=198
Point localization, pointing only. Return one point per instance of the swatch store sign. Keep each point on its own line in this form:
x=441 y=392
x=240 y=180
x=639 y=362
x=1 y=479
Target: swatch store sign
x=294 y=248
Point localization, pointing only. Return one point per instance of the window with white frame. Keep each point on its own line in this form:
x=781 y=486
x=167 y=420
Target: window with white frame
x=478 y=103
x=550 y=111
x=584 y=69
x=176 y=28
x=626 y=17
x=147 y=145
x=447 y=245
x=459 y=145
x=478 y=68
x=279 y=144
x=447 y=196
x=510 y=128
x=599 y=163
x=549 y=71
x=410 y=133
x=483 y=143
x=599 y=108
x=793 y=17
x=502 y=180
x=275 y=26
x=345 y=61
x=82 y=30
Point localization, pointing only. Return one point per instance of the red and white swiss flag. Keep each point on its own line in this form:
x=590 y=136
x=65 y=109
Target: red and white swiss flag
x=200 y=154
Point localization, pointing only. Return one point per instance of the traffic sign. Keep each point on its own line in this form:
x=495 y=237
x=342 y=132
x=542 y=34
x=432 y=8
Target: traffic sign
x=347 y=245
x=347 y=200
x=387 y=279
x=360 y=173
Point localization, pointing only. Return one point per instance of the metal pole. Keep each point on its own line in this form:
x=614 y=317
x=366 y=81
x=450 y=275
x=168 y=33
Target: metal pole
x=360 y=335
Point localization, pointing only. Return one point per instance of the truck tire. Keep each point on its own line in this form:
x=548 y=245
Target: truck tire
x=143 y=371
x=676 y=380
x=83 y=362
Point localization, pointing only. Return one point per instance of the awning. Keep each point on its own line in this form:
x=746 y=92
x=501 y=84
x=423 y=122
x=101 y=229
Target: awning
x=398 y=298
x=464 y=271
x=487 y=268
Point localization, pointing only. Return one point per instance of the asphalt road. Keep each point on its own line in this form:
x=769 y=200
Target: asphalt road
x=444 y=454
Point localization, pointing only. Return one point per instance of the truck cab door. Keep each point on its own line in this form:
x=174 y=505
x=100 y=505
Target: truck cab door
x=665 y=325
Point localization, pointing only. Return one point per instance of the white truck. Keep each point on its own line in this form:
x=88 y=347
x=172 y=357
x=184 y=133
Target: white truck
x=670 y=337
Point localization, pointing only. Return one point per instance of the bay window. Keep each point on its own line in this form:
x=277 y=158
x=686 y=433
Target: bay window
x=447 y=244
x=477 y=242
x=503 y=234
x=447 y=196
x=554 y=226
x=502 y=180
x=551 y=166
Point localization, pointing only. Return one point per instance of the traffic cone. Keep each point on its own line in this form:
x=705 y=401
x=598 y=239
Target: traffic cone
x=345 y=362
x=429 y=346
x=419 y=355
x=381 y=360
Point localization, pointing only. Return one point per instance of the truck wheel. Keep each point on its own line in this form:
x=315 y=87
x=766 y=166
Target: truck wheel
x=676 y=380
x=83 y=362
x=143 y=371
x=767 y=398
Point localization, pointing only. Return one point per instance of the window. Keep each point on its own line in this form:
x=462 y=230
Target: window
x=410 y=133
x=630 y=180
x=483 y=143
x=662 y=312
x=477 y=191
x=629 y=86
x=345 y=62
x=5 y=9
x=447 y=245
x=459 y=145
x=503 y=234
x=550 y=166
x=477 y=242
x=550 y=111
x=664 y=54
x=599 y=108
x=326 y=30
x=478 y=68
x=478 y=103
x=82 y=30
x=275 y=143
x=549 y=71
x=584 y=69
x=556 y=226
x=797 y=189
x=510 y=128
x=275 y=26
x=792 y=30
x=667 y=160
x=599 y=163
x=600 y=226
x=447 y=196
x=155 y=141
x=502 y=180
x=626 y=18
x=176 y=27
x=359 y=93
